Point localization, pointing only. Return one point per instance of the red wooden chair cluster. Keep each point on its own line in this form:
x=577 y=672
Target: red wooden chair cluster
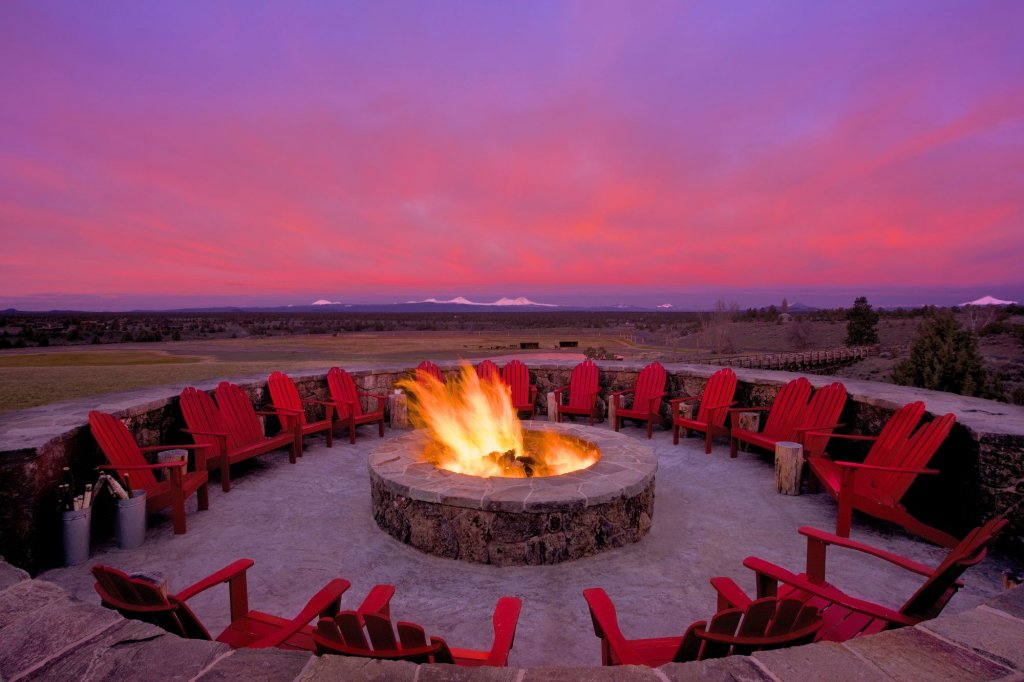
x=794 y=415
x=764 y=624
x=141 y=599
x=428 y=369
x=366 y=631
x=372 y=635
x=846 y=616
x=230 y=429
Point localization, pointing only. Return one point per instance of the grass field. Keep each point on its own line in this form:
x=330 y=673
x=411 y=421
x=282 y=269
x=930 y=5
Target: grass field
x=40 y=376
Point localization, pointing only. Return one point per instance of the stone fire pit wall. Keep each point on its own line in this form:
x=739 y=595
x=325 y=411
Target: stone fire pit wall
x=513 y=521
x=982 y=461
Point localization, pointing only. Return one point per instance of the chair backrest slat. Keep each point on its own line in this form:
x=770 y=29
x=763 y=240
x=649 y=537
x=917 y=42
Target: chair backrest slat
x=516 y=375
x=649 y=383
x=582 y=384
x=488 y=371
x=284 y=393
x=201 y=415
x=719 y=390
x=427 y=368
x=895 y=434
x=343 y=393
x=119 y=447
x=823 y=411
x=239 y=415
x=915 y=454
x=787 y=410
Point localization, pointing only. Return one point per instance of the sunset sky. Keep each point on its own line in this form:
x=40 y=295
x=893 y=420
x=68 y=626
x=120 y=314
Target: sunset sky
x=217 y=153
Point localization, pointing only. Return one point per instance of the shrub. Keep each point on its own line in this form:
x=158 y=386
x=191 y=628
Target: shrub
x=944 y=357
x=861 y=324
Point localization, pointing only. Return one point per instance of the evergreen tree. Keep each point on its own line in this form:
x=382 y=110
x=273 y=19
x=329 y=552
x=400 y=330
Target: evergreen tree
x=861 y=324
x=944 y=357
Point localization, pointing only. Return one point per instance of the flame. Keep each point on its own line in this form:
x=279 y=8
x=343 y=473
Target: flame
x=473 y=429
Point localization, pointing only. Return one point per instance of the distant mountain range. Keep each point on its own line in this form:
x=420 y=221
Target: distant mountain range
x=459 y=304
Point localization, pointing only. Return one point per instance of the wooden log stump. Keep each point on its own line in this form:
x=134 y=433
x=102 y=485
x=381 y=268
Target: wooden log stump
x=398 y=406
x=552 y=407
x=789 y=462
x=611 y=411
x=748 y=421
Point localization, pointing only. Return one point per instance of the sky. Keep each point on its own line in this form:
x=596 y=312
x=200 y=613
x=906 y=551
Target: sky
x=171 y=154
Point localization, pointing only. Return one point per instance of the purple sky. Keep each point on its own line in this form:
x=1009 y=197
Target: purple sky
x=218 y=153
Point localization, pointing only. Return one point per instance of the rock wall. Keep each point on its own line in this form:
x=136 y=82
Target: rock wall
x=982 y=461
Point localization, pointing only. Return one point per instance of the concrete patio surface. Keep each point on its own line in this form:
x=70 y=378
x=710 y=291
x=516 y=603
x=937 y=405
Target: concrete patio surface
x=306 y=523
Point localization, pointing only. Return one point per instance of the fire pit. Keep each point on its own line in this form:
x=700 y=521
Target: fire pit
x=510 y=521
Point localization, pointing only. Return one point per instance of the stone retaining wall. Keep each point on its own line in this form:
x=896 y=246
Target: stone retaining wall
x=982 y=461
x=44 y=634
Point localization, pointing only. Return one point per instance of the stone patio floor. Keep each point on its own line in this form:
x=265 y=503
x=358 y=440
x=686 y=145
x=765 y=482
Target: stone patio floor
x=306 y=523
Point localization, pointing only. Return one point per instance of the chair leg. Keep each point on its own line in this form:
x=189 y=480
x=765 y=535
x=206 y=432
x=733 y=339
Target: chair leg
x=381 y=428
x=203 y=497
x=177 y=501
x=225 y=474
x=650 y=428
x=707 y=441
x=675 y=434
x=733 y=447
x=618 y=423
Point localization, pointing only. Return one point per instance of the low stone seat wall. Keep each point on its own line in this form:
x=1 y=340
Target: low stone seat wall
x=982 y=461
x=44 y=634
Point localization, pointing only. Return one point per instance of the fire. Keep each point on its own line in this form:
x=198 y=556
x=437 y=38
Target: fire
x=474 y=430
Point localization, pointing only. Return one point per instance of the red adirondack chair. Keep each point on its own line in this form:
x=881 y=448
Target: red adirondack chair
x=488 y=371
x=141 y=599
x=579 y=396
x=715 y=402
x=345 y=634
x=225 y=446
x=767 y=623
x=126 y=457
x=427 y=368
x=286 y=400
x=877 y=486
x=846 y=616
x=524 y=394
x=647 y=395
x=821 y=419
x=350 y=409
x=784 y=416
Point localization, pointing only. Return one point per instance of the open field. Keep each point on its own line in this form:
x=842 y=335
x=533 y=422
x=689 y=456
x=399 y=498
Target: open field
x=41 y=375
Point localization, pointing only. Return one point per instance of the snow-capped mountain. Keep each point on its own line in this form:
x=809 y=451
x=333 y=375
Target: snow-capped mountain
x=461 y=300
x=989 y=300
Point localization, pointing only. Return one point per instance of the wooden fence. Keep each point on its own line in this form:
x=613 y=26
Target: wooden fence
x=814 y=359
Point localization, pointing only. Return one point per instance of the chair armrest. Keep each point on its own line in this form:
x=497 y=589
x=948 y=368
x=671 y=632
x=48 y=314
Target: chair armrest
x=220 y=434
x=276 y=413
x=229 y=572
x=823 y=429
x=606 y=626
x=765 y=569
x=853 y=436
x=685 y=399
x=824 y=538
x=324 y=603
x=311 y=401
x=133 y=467
x=184 y=446
x=372 y=395
x=761 y=641
x=506 y=618
x=749 y=409
x=562 y=389
x=285 y=410
x=729 y=594
x=875 y=467
x=378 y=601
